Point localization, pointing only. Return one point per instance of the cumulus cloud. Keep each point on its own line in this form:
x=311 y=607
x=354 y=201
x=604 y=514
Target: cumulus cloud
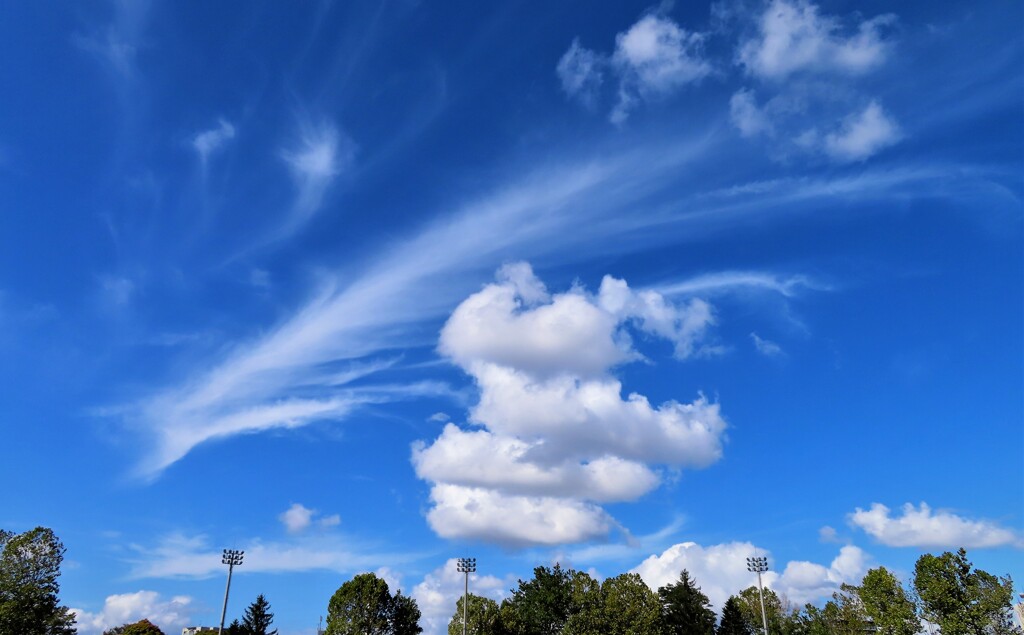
x=862 y=135
x=441 y=589
x=298 y=518
x=653 y=58
x=793 y=36
x=207 y=142
x=120 y=609
x=554 y=434
x=721 y=571
x=923 y=527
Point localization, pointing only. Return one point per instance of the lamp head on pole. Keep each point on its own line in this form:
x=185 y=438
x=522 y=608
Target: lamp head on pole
x=757 y=564
x=466 y=565
x=232 y=557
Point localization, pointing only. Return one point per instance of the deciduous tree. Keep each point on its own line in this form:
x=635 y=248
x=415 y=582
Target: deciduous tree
x=482 y=617
x=887 y=603
x=29 y=568
x=960 y=599
x=142 y=627
x=364 y=606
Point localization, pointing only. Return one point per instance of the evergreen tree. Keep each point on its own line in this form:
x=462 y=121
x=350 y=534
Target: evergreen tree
x=685 y=609
x=235 y=628
x=733 y=620
x=258 y=618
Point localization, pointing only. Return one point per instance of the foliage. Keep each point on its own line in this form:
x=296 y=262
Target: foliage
x=887 y=603
x=733 y=621
x=258 y=618
x=142 y=627
x=962 y=600
x=115 y=630
x=541 y=605
x=234 y=628
x=482 y=617
x=623 y=605
x=364 y=606
x=29 y=568
x=685 y=609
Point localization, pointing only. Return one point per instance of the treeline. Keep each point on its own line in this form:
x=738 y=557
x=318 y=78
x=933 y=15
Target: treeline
x=946 y=590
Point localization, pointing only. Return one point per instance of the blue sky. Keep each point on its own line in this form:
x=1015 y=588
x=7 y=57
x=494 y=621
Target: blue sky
x=370 y=286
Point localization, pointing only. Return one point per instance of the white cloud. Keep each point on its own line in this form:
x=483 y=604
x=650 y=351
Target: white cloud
x=741 y=282
x=555 y=433
x=207 y=142
x=862 y=135
x=182 y=556
x=793 y=37
x=922 y=527
x=441 y=589
x=169 y=615
x=766 y=347
x=581 y=71
x=299 y=518
x=747 y=116
x=720 y=570
x=655 y=57
x=318 y=155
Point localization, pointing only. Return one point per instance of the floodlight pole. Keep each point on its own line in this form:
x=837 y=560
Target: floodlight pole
x=232 y=558
x=760 y=565
x=466 y=566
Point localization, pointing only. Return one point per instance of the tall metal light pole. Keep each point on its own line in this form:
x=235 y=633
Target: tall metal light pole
x=232 y=558
x=760 y=565
x=467 y=566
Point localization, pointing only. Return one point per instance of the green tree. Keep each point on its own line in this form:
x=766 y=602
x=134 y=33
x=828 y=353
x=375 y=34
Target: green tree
x=364 y=606
x=115 y=630
x=142 y=627
x=733 y=621
x=29 y=568
x=235 y=628
x=541 y=605
x=783 y=619
x=630 y=606
x=258 y=618
x=685 y=609
x=887 y=603
x=960 y=599
x=482 y=616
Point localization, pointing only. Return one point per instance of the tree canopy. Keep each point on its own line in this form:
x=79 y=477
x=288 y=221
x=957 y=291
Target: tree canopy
x=365 y=606
x=960 y=599
x=29 y=568
x=482 y=616
x=142 y=627
x=888 y=604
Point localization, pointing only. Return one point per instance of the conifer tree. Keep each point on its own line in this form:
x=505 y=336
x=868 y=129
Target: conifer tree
x=685 y=609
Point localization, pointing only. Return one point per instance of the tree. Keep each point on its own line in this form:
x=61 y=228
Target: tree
x=115 y=630
x=482 y=616
x=685 y=609
x=142 y=627
x=542 y=605
x=235 y=628
x=960 y=599
x=29 y=568
x=364 y=606
x=886 y=602
x=258 y=618
x=630 y=606
x=783 y=619
x=733 y=621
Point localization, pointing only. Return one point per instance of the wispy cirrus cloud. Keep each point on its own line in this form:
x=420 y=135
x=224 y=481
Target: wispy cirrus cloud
x=924 y=527
x=315 y=157
x=280 y=378
x=207 y=142
x=179 y=555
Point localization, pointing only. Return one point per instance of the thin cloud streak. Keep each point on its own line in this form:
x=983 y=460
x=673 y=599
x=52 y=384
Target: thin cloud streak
x=419 y=279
